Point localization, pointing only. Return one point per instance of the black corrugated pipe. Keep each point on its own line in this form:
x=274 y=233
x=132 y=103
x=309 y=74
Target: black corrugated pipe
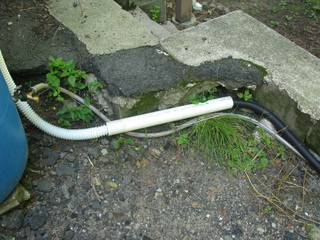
x=282 y=130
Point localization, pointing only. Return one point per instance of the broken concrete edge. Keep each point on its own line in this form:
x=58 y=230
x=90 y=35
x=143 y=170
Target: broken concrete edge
x=100 y=36
x=280 y=103
x=132 y=93
x=314 y=128
x=288 y=64
x=18 y=195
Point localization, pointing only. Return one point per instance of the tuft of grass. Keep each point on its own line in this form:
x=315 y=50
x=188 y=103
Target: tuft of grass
x=221 y=139
x=226 y=140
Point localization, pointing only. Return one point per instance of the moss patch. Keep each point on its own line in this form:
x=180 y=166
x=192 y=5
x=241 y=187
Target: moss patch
x=260 y=68
x=146 y=104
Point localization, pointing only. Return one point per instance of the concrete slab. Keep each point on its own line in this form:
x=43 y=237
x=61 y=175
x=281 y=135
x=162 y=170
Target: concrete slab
x=102 y=25
x=155 y=29
x=237 y=34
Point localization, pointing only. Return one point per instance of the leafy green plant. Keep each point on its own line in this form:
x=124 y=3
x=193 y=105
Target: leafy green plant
x=77 y=113
x=288 y=18
x=6 y=236
x=273 y=9
x=274 y=23
x=122 y=140
x=64 y=74
x=256 y=11
x=282 y=5
x=313 y=15
x=311 y=7
x=203 y=97
x=183 y=139
x=94 y=85
x=246 y=95
x=268 y=209
x=155 y=13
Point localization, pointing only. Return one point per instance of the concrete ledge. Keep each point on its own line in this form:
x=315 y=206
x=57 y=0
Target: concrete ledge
x=238 y=35
x=292 y=84
x=102 y=25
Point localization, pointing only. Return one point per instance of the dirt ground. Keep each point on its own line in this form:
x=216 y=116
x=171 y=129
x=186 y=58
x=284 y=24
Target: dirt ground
x=154 y=188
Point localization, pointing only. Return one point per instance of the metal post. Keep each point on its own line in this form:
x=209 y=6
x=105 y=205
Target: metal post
x=183 y=10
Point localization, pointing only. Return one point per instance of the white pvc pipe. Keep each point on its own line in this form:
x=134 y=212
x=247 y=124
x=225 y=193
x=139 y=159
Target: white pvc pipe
x=24 y=107
x=117 y=126
x=168 y=115
x=69 y=134
x=6 y=75
x=196 y=6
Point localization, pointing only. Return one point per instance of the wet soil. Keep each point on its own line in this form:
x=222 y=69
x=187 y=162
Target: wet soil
x=154 y=188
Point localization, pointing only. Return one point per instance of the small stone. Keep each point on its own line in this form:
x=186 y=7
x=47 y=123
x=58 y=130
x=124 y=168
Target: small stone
x=37 y=220
x=175 y=181
x=146 y=238
x=104 y=152
x=13 y=220
x=94 y=152
x=63 y=169
x=121 y=197
x=205 y=5
x=104 y=160
x=112 y=184
x=260 y=230
x=44 y=186
x=95 y=205
x=27 y=231
x=104 y=141
x=70 y=157
x=68 y=235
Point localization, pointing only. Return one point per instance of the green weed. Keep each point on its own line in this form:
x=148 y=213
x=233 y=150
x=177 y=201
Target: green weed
x=94 y=85
x=282 y=5
x=268 y=209
x=288 y=18
x=246 y=95
x=122 y=140
x=225 y=140
x=255 y=12
x=220 y=139
x=71 y=114
x=273 y=9
x=183 y=139
x=155 y=13
x=6 y=236
x=203 y=97
x=64 y=74
x=274 y=23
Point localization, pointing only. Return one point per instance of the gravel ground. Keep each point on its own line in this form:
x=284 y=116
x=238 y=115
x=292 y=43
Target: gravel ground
x=154 y=189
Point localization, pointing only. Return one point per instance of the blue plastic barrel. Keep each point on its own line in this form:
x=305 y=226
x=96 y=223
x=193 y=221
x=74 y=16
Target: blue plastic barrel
x=13 y=143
